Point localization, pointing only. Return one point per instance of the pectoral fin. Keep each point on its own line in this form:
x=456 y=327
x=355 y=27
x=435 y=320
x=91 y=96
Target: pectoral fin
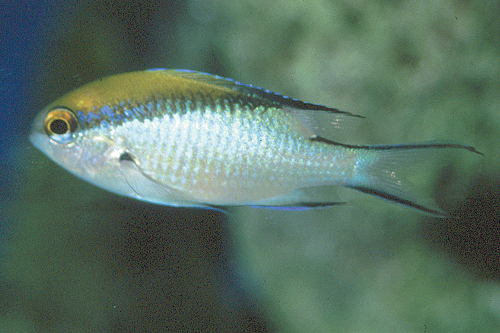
x=147 y=188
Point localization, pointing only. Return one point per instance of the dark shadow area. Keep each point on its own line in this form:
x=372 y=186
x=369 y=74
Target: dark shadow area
x=119 y=265
x=180 y=268
x=472 y=235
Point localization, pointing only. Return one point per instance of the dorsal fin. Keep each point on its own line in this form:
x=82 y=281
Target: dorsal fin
x=253 y=91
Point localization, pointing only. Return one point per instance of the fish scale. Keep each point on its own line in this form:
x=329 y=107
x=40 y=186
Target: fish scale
x=180 y=135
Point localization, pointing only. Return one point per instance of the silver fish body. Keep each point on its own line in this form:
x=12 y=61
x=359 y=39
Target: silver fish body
x=186 y=138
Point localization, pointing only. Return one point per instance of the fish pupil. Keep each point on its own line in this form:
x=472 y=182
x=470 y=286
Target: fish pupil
x=126 y=157
x=59 y=126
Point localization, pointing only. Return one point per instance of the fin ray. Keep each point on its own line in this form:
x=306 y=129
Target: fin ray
x=403 y=146
x=300 y=206
x=386 y=172
x=327 y=125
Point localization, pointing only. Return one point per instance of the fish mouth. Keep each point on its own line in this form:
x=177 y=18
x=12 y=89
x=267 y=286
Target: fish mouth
x=36 y=140
x=37 y=134
x=38 y=137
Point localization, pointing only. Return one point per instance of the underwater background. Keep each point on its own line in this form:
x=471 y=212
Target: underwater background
x=74 y=258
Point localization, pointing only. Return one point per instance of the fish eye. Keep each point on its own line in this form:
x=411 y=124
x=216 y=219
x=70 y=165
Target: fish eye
x=61 y=125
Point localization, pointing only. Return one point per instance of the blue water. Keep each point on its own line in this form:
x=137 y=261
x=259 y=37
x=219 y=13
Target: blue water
x=23 y=25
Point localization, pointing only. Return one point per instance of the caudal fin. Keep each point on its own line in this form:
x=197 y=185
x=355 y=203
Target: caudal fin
x=387 y=169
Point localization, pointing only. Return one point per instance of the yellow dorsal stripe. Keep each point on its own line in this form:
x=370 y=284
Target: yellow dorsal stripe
x=141 y=85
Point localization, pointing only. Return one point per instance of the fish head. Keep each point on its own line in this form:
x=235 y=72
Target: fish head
x=91 y=152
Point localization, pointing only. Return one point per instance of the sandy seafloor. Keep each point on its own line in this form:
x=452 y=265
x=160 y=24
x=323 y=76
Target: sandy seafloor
x=75 y=258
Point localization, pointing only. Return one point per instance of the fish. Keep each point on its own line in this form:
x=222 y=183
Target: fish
x=192 y=139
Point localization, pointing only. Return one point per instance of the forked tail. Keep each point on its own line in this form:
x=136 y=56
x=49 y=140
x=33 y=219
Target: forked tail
x=383 y=172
